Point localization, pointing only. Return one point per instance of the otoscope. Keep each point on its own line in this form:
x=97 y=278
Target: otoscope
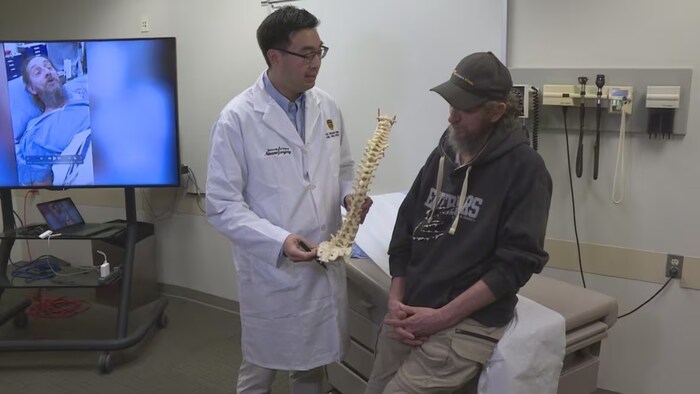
x=599 y=82
x=579 y=153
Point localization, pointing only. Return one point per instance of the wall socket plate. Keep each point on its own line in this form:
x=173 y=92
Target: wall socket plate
x=674 y=260
x=145 y=24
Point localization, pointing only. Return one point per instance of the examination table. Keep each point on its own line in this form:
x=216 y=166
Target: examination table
x=588 y=315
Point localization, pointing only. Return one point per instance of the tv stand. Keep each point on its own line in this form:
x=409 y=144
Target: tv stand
x=122 y=339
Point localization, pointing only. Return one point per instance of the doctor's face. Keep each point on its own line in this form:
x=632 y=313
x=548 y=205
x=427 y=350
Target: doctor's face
x=297 y=73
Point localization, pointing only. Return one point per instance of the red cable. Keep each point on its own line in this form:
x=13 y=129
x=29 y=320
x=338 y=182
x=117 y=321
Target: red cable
x=60 y=307
x=45 y=307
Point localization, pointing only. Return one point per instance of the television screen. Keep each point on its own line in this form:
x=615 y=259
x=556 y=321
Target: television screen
x=95 y=113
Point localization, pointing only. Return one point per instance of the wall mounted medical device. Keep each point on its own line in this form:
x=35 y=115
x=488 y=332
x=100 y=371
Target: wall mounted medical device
x=579 y=153
x=558 y=87
x=528 y=106
x=599 y=83
x=624 y=102
x=662 y=102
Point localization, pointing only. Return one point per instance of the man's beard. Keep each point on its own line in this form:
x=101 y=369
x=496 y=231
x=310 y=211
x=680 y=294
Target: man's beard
x=468 y=144
x=53 y=98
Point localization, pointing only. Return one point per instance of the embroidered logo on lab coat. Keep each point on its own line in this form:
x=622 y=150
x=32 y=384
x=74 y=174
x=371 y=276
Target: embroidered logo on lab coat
x=329 y=123
x=278 y=151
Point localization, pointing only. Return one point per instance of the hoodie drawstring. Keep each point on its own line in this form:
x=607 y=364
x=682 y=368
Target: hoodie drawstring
x=462 y=194
x=438 y=187
x=462 y=197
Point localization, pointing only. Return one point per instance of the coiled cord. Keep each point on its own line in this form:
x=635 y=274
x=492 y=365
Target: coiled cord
x=535 y=116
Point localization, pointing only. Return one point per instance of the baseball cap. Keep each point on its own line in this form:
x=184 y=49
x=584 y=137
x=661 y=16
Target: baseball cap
x=477 y=78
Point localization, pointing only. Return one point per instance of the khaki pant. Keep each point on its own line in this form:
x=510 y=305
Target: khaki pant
x=253 y=379
x=450 y=361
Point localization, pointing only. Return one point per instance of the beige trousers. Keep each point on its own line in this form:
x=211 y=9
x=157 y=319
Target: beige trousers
x=253 y=379
x=449 y=362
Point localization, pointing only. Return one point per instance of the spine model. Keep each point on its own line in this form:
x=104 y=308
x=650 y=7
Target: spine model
x=340 y=244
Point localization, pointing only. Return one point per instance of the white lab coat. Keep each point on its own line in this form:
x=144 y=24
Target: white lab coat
x=293 y=315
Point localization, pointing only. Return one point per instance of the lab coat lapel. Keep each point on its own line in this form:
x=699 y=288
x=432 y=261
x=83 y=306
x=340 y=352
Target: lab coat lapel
x=276 y=120
x=313 y=114
x=273 y=117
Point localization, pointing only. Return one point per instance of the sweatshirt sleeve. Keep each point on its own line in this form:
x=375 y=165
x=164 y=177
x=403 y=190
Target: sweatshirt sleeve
x=520 y=246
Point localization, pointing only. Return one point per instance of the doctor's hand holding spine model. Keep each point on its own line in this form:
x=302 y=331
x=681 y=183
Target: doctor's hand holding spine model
x=468 y=235
x=279 y=170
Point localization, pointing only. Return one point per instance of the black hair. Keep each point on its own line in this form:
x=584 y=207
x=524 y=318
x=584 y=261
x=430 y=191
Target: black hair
x=275 y=29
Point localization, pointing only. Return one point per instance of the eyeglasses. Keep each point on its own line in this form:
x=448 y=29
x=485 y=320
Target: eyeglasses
x=309 y=56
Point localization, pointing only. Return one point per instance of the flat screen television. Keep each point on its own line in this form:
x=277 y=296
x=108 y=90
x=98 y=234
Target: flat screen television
x=90 y=113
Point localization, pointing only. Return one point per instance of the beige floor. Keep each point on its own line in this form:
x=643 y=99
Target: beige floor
x=197 y=353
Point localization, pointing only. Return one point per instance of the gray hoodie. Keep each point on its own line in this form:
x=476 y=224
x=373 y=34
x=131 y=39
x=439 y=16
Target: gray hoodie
x=503 y=199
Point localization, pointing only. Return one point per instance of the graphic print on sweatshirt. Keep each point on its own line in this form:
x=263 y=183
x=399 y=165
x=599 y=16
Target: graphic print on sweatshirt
x=432 y=228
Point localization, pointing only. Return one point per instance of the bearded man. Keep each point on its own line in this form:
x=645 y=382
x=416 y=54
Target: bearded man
x=468 y=235
x=48 y=135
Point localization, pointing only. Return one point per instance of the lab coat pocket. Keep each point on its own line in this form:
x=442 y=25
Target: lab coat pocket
x=277 y=288
x=269 y=167
x=264 y=196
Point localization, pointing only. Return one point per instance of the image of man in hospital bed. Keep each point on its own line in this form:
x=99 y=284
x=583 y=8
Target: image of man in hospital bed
x=54 y=149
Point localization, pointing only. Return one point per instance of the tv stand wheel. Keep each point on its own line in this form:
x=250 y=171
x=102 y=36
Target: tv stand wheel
x=21 y=320
x=105 y=362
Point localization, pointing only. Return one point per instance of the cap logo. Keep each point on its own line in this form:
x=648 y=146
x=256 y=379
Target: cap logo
x=463 y=78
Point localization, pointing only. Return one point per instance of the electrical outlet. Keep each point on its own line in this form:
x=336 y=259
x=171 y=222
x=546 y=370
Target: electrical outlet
x=674 y=261
x=145 y=24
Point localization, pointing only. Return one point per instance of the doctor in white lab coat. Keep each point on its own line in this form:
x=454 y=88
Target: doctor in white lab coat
x=279 y=170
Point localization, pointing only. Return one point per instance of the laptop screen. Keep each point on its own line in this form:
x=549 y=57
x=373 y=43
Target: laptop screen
x=60 y=213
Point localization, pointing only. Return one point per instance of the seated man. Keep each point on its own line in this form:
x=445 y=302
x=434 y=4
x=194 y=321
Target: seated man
x=468 y=235
x=48 y=135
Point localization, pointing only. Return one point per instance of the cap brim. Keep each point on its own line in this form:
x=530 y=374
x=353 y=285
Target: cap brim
x=458 y=97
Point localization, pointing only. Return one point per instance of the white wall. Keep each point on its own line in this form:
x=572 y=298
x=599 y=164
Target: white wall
x=376 y=60
x=388 y=55
x=652 y=351
x=662 y=181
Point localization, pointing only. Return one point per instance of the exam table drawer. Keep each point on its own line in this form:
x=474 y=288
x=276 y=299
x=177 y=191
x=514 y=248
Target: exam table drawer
x=362 y=330
x=345 y=380
x=359 y=359
x=580 y=374
x=372 y=307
